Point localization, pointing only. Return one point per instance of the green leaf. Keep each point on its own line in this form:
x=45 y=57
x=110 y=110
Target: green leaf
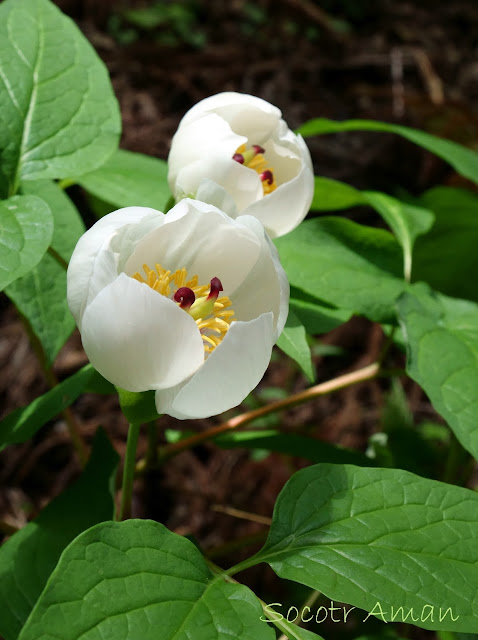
x=405 y=220
x=332 y=195
x=464 y=160
x=316 y=317
x=41 y=295
x=447 y=255
x=442 y=336
x=22 y=423
x=380 y=539
x=293 y=342
x=134 y=580
x=130 y=179
x=344 y=264
x=138 y=407
x=292 y=444
x=58 y=113
x=29 y=557
x=25 y=232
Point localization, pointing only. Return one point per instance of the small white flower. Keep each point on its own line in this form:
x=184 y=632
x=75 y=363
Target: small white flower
x=235 y=151
x=189 y=304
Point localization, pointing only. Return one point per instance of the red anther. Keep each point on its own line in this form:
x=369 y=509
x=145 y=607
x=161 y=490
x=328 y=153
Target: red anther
x=216 y=287
x=238 y=157
x=258 y=149
x=185 y=296
x=267 y=176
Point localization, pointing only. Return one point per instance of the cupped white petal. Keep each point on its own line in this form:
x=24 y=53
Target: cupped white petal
x=93 y=255
x=138 y=339
x=241 y=183
x=208 y=139
x=228 y=375
x=247 y=115
x=204 y=240
x=286 y=207
x=213 y=193
x=266 y=288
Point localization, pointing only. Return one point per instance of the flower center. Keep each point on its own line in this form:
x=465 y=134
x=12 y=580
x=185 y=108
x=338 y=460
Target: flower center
x=254 y=159
x=201 y=302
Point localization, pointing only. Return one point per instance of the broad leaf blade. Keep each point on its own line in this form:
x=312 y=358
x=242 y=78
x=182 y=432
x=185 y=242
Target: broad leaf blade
x=367 y=536
x=442 y=336
x=293 y=342
x=464 y=160
x=130 y=179
x=345 y=264
x=29 y=557
x=333 y=195
x=41 y=294
x=19 y=425
x=128 y=580
x=446 y=256
x=58 y=113
x=406 y=221
x=25 y=232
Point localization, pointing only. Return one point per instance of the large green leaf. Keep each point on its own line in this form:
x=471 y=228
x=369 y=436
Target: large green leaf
x=130 y=179
x=58 y=113
x=447 y=255
x=293 y=342
x=345 y=264
x=21 y=424
x=136 y=580
x=26 y=228
x=316 y=317
x=442 y=337
x=29 y=557
x=41 y=294
x=464 y=160
x=380 y=539
x=405 y=220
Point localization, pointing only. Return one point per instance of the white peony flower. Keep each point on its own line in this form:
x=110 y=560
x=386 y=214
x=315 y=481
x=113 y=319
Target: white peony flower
x=189 y=304
x=235 y=151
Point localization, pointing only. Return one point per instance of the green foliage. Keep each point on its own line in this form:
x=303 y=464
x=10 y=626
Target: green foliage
x=46 y=60
x=293 y=342
x=41 y=294
x=23 y=423
x=137 y=575
x=292 y=444
x=464 y=160
x=29 y=557
x=344 y=264
x=447 y=256
x=25 y=234
x=130 y=179
x=442 y=336
x=367 y=536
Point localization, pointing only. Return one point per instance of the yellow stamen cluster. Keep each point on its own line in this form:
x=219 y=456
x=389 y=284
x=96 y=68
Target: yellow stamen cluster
x=259 y=164
x=212 y=328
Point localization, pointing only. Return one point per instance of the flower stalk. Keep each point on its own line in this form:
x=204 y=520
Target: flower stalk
x=128 y=471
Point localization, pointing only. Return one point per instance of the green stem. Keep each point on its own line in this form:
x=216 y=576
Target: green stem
x=128 y=471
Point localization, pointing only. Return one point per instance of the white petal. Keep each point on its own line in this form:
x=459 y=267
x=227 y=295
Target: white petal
x=247 y=115
x=284 y=209
x=228 y=375
x=240 y=182
x=93 y=253
x=204 y=140
x=212 y=193
x=204 y=240
x=138 y=339
x=266 y=288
